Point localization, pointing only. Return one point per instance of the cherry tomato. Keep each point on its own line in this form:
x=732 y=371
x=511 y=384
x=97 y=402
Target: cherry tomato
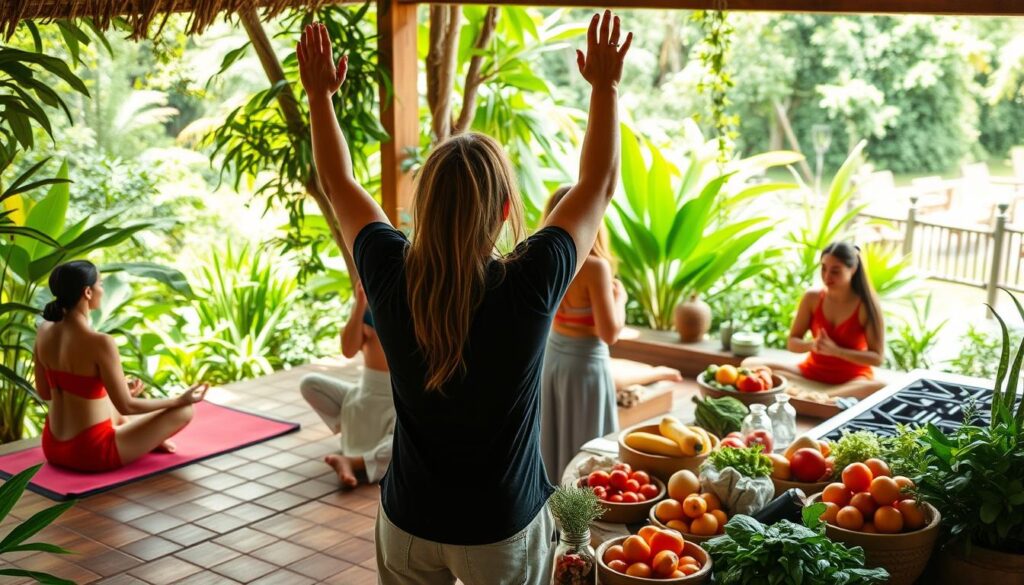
x=632 y=485
x=600 y=492
x=641 y=497
x=617 y=498
x=650 y=490
x=598 y=479
x=641 y=477
x=617 y=479
x=623 y=466
x=629 y=498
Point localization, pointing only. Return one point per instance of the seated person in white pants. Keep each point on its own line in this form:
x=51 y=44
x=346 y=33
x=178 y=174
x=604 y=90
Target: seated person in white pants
x=364 y=414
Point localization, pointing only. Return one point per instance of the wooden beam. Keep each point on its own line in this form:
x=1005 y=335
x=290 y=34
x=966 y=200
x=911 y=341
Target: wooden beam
x=75 y=8
x=938 y=7
x=396 y=25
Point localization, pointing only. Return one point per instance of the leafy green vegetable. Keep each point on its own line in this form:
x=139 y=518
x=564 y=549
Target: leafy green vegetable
x=787 y=554
x=855 y=447
x=749 y=461
x=720 y=416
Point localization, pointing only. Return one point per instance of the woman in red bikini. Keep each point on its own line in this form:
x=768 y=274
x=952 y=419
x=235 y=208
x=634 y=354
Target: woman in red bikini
x=78 y=371
x=846 y=325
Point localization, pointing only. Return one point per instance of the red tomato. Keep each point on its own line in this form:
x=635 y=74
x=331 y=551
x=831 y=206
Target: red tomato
x=641 y=497
x=641 y=477
x=600 y=492
x=629 y=498
x=623 y=466
x=763 y=438
x=618 y=478
x=807 y=465
x=598 y=479
x=732 y=442
x=617 y=498
x=857 y=477
x=650 y=490
x=632 y=485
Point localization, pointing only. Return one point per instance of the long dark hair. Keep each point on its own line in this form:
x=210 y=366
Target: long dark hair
x=67 y=283
x=849 y=255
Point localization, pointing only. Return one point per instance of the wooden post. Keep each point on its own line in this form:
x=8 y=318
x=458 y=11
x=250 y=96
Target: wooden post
x=998 y=235
x=908 y=237
x=396 y=24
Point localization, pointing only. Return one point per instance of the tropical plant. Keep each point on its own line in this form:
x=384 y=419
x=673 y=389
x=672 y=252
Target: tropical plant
x=669 y=238
x=910 y=343
x=978 y=355
x=975 y=474
x=10 y=493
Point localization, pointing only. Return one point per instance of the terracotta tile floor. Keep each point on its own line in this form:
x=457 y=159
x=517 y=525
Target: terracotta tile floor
x=269 y=514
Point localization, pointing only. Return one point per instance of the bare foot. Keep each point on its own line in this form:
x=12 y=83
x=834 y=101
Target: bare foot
x=167 y=446
x=343 y=467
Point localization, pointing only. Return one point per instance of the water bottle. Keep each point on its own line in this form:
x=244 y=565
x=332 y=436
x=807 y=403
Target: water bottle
x=783 y=417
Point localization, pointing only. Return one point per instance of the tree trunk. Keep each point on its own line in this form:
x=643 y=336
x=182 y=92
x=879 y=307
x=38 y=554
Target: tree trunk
x=442 y=59
x=297 y=125
x=780 y=112
x=473 y=78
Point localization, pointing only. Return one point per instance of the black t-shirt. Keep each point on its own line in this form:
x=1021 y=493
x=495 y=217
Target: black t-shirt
x=466 y=467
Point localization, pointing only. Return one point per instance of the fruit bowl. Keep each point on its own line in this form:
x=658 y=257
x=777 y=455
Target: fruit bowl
x=904 y=555
x=608 y=576
x=659 y=466
x=694 y=538
x=630 y=512
x=779 y=384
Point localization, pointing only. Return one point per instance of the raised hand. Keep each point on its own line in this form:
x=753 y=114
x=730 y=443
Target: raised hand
x=317 y=70
x=194 y=394
x=135 y=387
x=601 y=66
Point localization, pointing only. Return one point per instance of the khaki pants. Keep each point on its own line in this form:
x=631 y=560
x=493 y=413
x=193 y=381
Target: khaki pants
x=523 y=559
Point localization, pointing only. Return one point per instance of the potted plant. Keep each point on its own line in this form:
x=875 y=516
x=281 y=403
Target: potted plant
x=678 y=230
x=975 y=477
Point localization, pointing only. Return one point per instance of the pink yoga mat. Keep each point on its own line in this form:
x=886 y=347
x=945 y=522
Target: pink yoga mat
x=214 y=430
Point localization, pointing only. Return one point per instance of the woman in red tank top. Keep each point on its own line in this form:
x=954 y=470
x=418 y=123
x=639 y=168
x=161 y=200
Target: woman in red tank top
x=78 y=373
x=846 y=325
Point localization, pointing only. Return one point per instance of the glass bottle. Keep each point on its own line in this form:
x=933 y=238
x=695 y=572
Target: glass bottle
x=783 y=417
x=575 y=561
x=757 y=427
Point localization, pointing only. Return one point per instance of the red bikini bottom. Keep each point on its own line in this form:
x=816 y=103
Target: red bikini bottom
x=94 y=449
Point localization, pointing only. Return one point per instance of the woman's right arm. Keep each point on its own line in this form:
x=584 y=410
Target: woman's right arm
x=116 y=384
x=352 y=335
x=801 y=324
x=581 y=212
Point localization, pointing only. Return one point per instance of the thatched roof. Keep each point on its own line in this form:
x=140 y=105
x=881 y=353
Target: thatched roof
x=140 y=14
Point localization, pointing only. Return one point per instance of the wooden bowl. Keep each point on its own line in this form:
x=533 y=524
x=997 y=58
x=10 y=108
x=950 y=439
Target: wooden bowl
x=904 y=555
x=695 y=538
x=781 y=485
x=659 y=466
x=630 y=513
x=748 y=398
x=607 y=576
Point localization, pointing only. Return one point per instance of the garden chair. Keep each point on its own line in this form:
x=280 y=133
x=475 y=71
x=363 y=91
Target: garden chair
x=933 y=194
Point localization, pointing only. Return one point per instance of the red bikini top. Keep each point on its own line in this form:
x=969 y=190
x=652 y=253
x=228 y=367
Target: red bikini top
x=567 y=315
x=89 y=387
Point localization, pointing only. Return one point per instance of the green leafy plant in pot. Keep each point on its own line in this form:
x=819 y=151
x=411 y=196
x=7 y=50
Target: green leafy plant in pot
x=975 y=477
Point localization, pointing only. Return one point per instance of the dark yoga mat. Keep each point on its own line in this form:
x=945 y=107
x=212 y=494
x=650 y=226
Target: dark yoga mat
x=214 y=430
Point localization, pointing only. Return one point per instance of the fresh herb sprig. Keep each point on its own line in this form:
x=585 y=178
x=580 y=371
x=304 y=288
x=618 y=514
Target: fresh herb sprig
x=575 y=508
x=748 y=461
x=787 y=554
x=855 y=447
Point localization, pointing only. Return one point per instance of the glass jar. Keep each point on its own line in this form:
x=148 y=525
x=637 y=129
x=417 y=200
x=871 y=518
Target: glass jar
x=783 y=417
x=575 y=561
x=757 y=428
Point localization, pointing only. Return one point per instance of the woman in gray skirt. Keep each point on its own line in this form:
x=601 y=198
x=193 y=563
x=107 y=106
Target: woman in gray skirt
x=577 y=389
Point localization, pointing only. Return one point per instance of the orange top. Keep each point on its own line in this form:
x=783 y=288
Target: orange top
x=849 y=334
x=89 y=387
x=567 y=315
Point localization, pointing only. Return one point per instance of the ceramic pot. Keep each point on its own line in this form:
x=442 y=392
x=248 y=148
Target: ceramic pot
x=693 y=320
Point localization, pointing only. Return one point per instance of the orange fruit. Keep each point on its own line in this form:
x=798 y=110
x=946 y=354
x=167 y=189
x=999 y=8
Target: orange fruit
x=825 y=448
x=884 y=490
x=614 y=553
x=687 y=560
x=677 y=574
x=664 y=563
x=722 y=518
x=636 y=549
x=639 y=570
x=669 y=540
x=669 y=510
x=680 y=525
x=706 y=525
x=829 y=515
x=694 y=507
x=913 y=515
x=689 y=569
x=648 y=532
x=618 y=566
x=905 y=483
x=888 y=520
x=865 y=503
x=712 y=501
x=682 y=484
x=857 y=477
x=878 y=467
x=849 y=518
x=869 y=527
x=727 y=374
x=837 y=494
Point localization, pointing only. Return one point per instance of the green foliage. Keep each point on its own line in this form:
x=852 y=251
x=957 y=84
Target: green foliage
x=904 y=452
x=748 y=461
x=787 y=554
x=978 y=355
x=856 y=447
x=713 y=54
x=575 y=508
x=911 y=342
x=10 y=493
x=672 y=230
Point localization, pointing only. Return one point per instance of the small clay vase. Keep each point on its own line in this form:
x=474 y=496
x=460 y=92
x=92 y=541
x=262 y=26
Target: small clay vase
x=692 y=320
x=725 y=334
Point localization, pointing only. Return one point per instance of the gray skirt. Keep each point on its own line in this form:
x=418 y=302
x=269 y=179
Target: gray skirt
x=577 y=399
